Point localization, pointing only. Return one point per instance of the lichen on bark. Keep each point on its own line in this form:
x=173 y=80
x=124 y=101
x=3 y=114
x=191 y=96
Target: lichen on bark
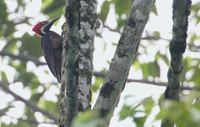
x=181 y=11
x=78 y=46
x=125 y=53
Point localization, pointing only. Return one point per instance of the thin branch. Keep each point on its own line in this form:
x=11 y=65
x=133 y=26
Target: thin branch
x=164 y=84
x=154 y=38
x=28 y=103
x=148 y=37
x=30 y=121
x=147 y=82
x=111 y=29
x=25 y=58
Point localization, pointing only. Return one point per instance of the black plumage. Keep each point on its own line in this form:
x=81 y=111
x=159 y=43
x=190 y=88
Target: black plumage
x=52 y=49
x=51 y=46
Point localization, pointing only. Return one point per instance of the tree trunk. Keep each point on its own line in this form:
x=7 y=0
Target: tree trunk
x=78 y=46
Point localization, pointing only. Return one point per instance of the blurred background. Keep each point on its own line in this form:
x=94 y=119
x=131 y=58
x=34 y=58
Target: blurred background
x=29 y=92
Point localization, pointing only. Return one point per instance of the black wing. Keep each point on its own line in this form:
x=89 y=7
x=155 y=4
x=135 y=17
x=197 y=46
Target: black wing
x=52 y=48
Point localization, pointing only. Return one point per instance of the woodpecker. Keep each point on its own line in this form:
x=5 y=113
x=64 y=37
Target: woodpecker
x=51 y=46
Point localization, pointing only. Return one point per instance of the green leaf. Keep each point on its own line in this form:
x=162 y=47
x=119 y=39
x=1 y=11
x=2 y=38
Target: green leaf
x=181 y=113
x=196 y=7
x=49 y=6
x=4 y=77
x=36 y=97
x=136 y=64
x=29 y=113
x=87 y=119
x=122 y=6
x=131 y=111
x=22 y=124
x=195 y=77
x=3 y=12
x=104 y=10
x=46 y=4
x=126 y=111
x=53 y=8
x=150 y=69
x=120 y=23
x=148 y=105
x=49 y=106
x=97 y=84
x=156 y=34
x=140 y=121
x=194 y=37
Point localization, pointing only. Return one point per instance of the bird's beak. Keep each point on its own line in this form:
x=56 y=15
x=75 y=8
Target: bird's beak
x=49 y=24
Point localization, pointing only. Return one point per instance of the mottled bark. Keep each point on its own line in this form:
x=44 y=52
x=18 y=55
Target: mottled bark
x=78 y=46
x=123 y=58
x=87 y=30
x=181 y=11
x=70 y=54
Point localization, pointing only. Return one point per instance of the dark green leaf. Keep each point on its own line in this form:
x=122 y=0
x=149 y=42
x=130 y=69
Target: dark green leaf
x=49 y=106
x=4 y=77
x=87 y=119
x=36 y=97
x=3 y=12
x=104 y=11
x=122 y=6
x=140 y=121
x=49 y=6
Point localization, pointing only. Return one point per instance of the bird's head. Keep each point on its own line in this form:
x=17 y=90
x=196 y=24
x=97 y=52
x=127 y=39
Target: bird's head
x=42 y=27
x=37 y=28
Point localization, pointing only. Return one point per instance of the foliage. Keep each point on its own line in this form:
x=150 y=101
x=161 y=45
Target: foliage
x=137 y=114
x=181 y=113
x=87 y=119
x=20 y=42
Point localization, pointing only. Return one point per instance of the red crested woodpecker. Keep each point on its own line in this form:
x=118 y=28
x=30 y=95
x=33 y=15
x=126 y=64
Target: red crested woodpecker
x=51 y=46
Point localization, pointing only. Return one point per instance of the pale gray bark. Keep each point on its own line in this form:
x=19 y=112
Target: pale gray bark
x=124 y=55
x=86 y=47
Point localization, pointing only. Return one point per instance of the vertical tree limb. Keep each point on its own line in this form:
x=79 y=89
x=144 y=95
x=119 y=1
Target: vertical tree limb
x=181 y=11
x=78 y=46
x=87 y=30
x=123 y=57
x=70 y=45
